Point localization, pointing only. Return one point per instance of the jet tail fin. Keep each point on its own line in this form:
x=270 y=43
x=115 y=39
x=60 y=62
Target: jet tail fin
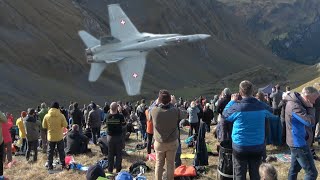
x=121 y=26
x=88 y=39
x=96 y=70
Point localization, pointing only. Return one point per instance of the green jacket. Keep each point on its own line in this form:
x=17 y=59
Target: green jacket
x=42 y=113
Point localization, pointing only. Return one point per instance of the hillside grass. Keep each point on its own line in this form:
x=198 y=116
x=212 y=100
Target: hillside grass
x=26 y=171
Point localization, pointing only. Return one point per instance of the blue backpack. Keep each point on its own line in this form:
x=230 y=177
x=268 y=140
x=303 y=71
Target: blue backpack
x=123 y=175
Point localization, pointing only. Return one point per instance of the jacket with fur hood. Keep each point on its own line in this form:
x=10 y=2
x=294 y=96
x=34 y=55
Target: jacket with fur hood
x=299 y=121
x=54 y=122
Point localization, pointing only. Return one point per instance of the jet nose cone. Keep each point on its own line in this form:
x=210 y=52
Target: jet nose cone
x=204 y=36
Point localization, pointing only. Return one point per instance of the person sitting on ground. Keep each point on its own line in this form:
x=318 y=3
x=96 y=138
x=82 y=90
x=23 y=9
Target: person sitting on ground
x=268 y=172
x=32 y=127
x=76 y=142
x=22 y=132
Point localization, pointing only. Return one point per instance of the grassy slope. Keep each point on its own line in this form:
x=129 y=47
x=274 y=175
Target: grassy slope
x=24 y=171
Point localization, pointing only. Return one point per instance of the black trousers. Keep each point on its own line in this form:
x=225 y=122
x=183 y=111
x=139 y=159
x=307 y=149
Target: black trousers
x=51 y=148
x=149 y=143
x=243 y=161
x=32 y=146
x=95 y=134
x=114 y=152
x=195 y=127
x=1 y=158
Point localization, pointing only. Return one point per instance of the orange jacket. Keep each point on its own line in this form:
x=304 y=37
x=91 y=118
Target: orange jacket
x=149 y=123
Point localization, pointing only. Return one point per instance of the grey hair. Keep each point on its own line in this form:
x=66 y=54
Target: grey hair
x=309 y=90
x=268 y=172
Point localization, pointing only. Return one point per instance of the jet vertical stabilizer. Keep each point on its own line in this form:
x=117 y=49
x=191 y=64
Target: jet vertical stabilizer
x=121 y=26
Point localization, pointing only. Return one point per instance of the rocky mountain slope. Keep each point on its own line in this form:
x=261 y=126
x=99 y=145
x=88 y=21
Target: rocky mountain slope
x=290 y=28
x=42 y=58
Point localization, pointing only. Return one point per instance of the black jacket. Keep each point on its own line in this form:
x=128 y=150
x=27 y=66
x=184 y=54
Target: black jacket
x=207 y=115
x=201 y=157
x=75 y=142
x=77 y=117
x=222 y=103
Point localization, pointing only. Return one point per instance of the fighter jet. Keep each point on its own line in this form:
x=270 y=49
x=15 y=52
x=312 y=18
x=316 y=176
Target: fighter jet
x=128 y=48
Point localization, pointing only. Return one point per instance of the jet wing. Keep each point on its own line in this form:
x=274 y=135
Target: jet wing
x=120 y=25
x=132 y=70
x=88 y=39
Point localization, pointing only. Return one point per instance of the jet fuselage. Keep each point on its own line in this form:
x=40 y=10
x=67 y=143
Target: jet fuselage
x=113 y=52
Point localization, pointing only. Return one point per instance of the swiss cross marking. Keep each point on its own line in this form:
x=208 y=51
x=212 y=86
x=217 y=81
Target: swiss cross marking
x=135 y=75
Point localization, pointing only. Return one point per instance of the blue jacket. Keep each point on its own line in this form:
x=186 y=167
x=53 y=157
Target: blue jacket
x=299 y=121
x=249 y=118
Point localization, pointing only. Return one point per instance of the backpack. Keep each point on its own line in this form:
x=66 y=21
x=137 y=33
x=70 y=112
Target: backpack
x=123 y=175
x=138 y=166
x=190 y=141
x=94 y=172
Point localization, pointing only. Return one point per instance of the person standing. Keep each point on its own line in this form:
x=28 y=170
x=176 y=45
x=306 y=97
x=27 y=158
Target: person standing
x=22 y=132
x=3 y=119
x=54 y=122
x=77 y=117
x=276 y=97
x=207 y=116
x=7 y=140
x=248 y=134
x=43 y=132
x=300 y=118
x=114 y=124
x=94 y=122
x=32 y=134
x=141 y=109
x=165 y=118
x=193 y=111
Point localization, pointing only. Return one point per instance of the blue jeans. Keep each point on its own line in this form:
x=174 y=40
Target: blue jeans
x=301 y=157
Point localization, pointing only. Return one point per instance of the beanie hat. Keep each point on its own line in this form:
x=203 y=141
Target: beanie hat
x=23 y=114
x=31 y=111
x=164 y=96
x=55 y=105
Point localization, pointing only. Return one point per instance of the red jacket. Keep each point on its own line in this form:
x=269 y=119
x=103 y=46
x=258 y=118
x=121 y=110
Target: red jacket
x=6 y=131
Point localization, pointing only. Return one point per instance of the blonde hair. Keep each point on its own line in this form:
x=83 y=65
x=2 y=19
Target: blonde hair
x=268 y=172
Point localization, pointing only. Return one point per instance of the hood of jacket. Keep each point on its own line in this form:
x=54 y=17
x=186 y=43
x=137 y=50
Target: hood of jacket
x=30 y=119
x=53 y=112
x=295 y=97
